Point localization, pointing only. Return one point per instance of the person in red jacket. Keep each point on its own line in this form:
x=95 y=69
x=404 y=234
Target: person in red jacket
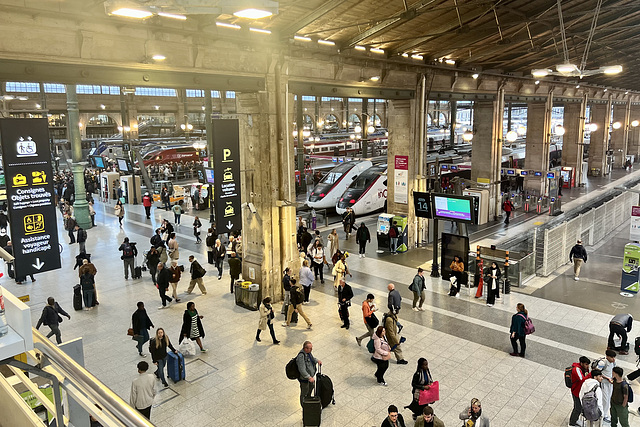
x=507 y=207
x=146 y=202
x=579 y=373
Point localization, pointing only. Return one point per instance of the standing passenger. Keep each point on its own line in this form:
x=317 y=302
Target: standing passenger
x=517 y=330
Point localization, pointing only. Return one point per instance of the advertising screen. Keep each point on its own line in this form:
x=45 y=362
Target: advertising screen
x=454 y=208
x=208 y=173
x=122 y=165
x=99 y=161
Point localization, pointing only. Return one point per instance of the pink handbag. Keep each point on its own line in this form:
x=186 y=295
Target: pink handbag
x=431 y=395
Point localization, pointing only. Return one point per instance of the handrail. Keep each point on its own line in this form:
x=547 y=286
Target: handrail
x=95 y=390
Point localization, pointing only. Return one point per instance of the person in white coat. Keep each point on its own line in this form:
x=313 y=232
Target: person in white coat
x=606 y=365
x=588 y=385
x=306 y=280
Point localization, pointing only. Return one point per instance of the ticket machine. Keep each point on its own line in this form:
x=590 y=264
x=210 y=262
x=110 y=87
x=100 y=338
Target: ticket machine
x=384 y=224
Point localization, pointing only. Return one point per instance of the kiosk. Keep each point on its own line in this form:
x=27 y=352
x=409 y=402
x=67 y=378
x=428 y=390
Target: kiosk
x=568 y=174
x=630 y=270
x=384 y=224
x=107 y=186
x=403 y=238
x=131 y=188
x=481 y=205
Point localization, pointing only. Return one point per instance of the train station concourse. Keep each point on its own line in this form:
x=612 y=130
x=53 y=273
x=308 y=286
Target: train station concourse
x=488 y=150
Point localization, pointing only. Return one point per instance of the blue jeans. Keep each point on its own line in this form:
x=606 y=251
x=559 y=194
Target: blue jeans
x=160 y=370
x=143 y=337
x=87 y=296
x=176 y=217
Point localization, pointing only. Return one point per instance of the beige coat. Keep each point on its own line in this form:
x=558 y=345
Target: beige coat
x=264 y=315
x=391 y=330
x=334 y=244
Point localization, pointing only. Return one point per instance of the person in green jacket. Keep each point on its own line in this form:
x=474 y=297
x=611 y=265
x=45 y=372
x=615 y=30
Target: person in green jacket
x=428 y=419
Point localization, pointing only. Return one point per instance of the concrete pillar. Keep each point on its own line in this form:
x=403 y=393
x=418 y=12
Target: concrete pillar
x=403 y=142
x=599 y=140
x=269 y=235
x=620 y=136
x=486 y=156
x=80 y=204
x=633 y=146
x=538 y=143
x=573 y=139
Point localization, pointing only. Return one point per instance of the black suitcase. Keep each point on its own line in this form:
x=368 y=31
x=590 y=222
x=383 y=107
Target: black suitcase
x=137 y=273
x=312 y=410
x=324 y=387
x=77 y=298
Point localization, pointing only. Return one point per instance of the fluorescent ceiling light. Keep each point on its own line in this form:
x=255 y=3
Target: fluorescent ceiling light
x=23 y=98
x=252 y=13
x=8 y=97
x=132 y=13
x=418 y=57
x=374 y=78
x=260 y=30
x=326 y=42
x=358 y=47
x=541 y=72
x=566 y=68
x=226 y=25
x=302 y=38
x=172 y=16
x=612 y=69
x=405 y=55
x=102 y=106
x=475 y=76
x=158 y=57
x=450 y=61
x=635 y=123
x=376 y=50
x=617 y=125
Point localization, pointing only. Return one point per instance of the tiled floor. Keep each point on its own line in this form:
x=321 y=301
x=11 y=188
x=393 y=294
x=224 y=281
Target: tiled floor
x=241 y=382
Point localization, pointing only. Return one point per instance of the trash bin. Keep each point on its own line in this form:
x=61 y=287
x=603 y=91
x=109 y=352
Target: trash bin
x=252 y=296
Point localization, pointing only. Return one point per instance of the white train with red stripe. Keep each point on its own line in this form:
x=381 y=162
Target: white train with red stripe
x=367 y=193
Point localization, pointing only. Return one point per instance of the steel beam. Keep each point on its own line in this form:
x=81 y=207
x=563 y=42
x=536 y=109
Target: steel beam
x=326 y=89
x=299 y=24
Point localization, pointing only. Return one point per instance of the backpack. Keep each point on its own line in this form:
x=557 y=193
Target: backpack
x=630 y=394
x=636 y=347
x=595 y=363
x=528 y=325
x=393 y=232
x=127 y=251
x=567 y=376
x=590 y=408
x=371 y=347
x=291 y=369
x=211 y=240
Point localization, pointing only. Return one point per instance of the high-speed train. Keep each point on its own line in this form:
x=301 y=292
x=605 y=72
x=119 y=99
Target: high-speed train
x=327 y=192
x=367 y=193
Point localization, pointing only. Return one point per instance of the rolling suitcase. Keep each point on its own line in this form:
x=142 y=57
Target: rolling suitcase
x=324 y=388
x=77 y=298
x=175 y=366
x=312 y=410
x=137 y=273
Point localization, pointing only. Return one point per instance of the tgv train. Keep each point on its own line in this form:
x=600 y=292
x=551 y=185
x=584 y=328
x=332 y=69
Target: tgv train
x=327 y=192
x=367 y=193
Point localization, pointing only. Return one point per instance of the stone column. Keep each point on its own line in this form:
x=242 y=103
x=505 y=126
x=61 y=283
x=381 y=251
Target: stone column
x=619 y=137
x=403 y=142
x=80 y=204
x=633 y=145
x=573 y=139
x=267 y=162
x=486 y=156
x=538 y=143
x=599 y=140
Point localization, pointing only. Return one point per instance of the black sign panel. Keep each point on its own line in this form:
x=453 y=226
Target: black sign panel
x=422 y=204
x=29 y=178
x=226 y=161
x=201 y=176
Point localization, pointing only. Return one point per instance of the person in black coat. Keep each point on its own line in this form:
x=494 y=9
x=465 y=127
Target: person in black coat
x=141 y=324
x=394 y=419
x=153 y=258
x=164 y=277
x=51 y=317
x=219 y=252
x=362 y=238
x=158 y=348
x=492 y=279
x=192 y=326
x=421 y=380
x=235 y=268
x=345 y=293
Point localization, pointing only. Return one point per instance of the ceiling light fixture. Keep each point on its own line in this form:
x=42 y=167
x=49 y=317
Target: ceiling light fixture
x=450 y=62
x=358 y=47
x=475 y=76
x=605 y=89
x=227 y=25
x=512 y=136
x=592 y=127
x=260 y=30
x=577 y=86
x=377 y=50
x=540 y=72
x=559 y=130
x=371 y=129
x=405 y=55
x=173 y=16
x=537 y=82
x=302 y=38
x=252 y=13
x=158 y=57
x=23 y=98
x=374 y=78
x=326 y=42
x=131 y=13
x=418 y=57
x=612 y=69
x=635 y=123
x=617 y=125
x=566 y=68
x=157 y=107
x=102 y=106
x=38 y=106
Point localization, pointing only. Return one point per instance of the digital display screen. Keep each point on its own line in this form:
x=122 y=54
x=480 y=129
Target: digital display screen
x=422 y=204
x=537 y=174
x=208 y=172
x=511 y=172
x=551 y=175
x=122 y=165
x=454 y=168
x=524 y=173
x=444 y=167
x=452 y=208
x=99 y=161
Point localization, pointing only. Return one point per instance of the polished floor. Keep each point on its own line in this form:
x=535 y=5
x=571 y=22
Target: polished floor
x=240 y=382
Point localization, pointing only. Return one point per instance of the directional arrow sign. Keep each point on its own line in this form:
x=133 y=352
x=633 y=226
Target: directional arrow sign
x=230 y=225
x=38 y=265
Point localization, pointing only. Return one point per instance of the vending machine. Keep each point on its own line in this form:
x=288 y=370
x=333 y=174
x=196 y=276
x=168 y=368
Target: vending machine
x=403 y=237
x=630 y=270
x=384 y=224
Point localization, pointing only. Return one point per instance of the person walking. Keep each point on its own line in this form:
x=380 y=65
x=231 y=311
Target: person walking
x=619 y=326
x=143 y=390
x=129 y=252
x=381 y=354
x=197 y=273
x=348 y=219
x=578 y=255
x=156 y=240
x=370 y=320
x=579 y=371
x=428 y=419
x=507 y=207
x=457 y=271
x=306 y=280
x=219 y=252
x=297 y=298
x=340 y=269
x=492 y=279
x=516 y=330
x=88 y=285
x=394 y=419
x=394 y=299
x=362 y=238
x=421 y=380
x=81 y=238
x=418 y=287
x=152 y=259
x=176 y=274
x=592 y=384
x=164 y=277
x=345 y=293
x=166 y=198
x=473 y=415
x=393 y=338
x=192 y=326
x=141 y=323
x=286 y=287
x=210 y=241
x=158 y=350
x=177 y=213
x=119 y=211
x=196 y=229
x=146 y=202
x=266 y=320
x=619 y=399
x=333 y=243
x=319 y=260
x=51 y=317
x=167 y=229
x=306 y=363
x=235 y=268
x=173 y=247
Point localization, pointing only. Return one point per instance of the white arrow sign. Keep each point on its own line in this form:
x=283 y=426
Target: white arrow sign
x=38 y=265
x=230 y=225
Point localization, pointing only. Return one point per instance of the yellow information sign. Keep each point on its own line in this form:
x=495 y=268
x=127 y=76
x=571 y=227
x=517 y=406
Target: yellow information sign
x=24 y=298
x=484 y=181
